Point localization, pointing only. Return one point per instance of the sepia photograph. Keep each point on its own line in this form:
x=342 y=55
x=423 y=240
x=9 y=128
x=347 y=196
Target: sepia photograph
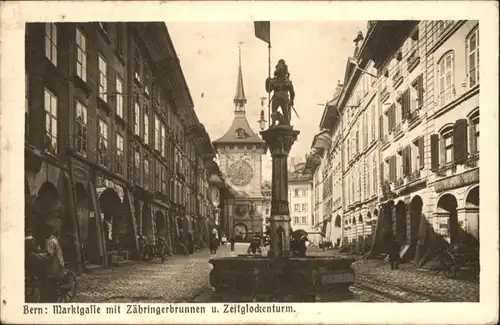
x=242 y=167
x=132 y=195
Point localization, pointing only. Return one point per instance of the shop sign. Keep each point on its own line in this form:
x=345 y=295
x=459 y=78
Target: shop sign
x=457 y=181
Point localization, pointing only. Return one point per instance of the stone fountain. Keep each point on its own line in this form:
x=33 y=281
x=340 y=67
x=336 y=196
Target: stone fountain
x=279 y=276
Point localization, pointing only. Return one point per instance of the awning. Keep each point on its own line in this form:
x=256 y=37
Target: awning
x=322 y=141
x=312 y=161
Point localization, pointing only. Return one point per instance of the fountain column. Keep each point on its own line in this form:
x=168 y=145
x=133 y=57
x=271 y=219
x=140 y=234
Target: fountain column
x=279 y=140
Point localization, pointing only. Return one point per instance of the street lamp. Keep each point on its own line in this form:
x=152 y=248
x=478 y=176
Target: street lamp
x=262 y=121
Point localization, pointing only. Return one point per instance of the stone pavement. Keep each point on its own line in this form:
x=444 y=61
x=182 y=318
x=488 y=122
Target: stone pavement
x=408 y=281
x=186 y=278
x=180 y=278
x=415 y=281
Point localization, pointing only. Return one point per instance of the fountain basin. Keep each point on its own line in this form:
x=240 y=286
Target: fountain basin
x=257 y=278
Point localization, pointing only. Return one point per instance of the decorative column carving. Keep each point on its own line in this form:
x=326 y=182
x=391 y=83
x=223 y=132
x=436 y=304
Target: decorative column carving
x=279 y=140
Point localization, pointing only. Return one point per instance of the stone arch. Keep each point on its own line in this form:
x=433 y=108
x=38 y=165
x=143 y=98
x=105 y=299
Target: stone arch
x=240 y=231
x=448 y=217
x=337 y=231
x=338 y=222
x=160 y=223
x=82 y=213
x=401 y=226
x=472 y=197
x=147 y=223
x=375 y=220
x=471 y=222
x=111 y=208
x=48 y=206
x=416 y=206
x=29 y=208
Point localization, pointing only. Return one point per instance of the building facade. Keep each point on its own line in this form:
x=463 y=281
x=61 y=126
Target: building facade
x=408 y=113
x=240 y=152
x=300 y=199
x=121 y=153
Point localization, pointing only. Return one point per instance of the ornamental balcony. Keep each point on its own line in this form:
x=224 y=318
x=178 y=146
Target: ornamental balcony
x=415 y=175
x=472 y=161
x=399 y=182
x=413 y=60
x=397 y=79
x=413 y=116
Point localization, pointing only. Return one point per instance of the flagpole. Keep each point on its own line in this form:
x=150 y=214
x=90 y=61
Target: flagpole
x=269 y=75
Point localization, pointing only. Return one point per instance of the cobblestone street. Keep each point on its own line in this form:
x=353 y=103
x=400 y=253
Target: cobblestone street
x=186 y=278
x=180 y=278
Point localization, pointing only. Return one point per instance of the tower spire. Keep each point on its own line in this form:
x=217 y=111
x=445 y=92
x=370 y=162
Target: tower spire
x=239 y=98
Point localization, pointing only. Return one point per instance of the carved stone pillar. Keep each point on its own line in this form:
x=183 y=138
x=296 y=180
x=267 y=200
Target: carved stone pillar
x=279 y=140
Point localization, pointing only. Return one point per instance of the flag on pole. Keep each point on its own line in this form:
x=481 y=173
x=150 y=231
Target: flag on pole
x=263 y=31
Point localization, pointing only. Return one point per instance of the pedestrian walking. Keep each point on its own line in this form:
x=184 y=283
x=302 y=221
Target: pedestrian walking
x=190 y=243
x=214 y=244
x=392 y=251
x=233 y=240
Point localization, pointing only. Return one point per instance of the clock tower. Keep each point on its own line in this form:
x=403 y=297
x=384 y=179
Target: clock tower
x=240 y=152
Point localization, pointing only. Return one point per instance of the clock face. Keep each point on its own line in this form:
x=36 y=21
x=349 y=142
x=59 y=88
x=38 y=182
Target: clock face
x=240 y=173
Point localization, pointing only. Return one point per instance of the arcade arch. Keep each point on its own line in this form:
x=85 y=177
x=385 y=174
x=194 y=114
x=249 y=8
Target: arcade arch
x=448 y=217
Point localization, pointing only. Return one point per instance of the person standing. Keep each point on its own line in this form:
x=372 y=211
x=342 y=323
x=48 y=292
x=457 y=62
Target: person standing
x=49 y=261
x=214 y=243
x=392 y=251
x=232 y=243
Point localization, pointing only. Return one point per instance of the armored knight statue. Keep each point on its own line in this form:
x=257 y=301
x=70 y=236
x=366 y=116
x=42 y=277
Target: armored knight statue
x=283 y=94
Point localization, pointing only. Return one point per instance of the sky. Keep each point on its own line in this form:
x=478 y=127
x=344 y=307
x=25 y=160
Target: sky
x=315 y=52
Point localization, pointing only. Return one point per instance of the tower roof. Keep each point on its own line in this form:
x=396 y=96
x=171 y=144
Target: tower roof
x=239 y=97
x=239 y=132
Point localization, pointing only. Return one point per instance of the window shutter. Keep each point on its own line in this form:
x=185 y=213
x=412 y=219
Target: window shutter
x=393 y=118
x=420 y=91
x=434 y=152
x=421 y=152
x=389 y=119
x=408 y=159
x=381 y=126
x=406 y=103
x=404 y=165
x=472 y=138
x=382 y=180
x=392 y=166
x=460 y=140
x=395 y=167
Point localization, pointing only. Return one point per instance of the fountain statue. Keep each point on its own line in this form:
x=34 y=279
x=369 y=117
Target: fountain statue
x=280 y=275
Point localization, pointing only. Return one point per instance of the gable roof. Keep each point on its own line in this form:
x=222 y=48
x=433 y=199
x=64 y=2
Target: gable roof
x=239 y=122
